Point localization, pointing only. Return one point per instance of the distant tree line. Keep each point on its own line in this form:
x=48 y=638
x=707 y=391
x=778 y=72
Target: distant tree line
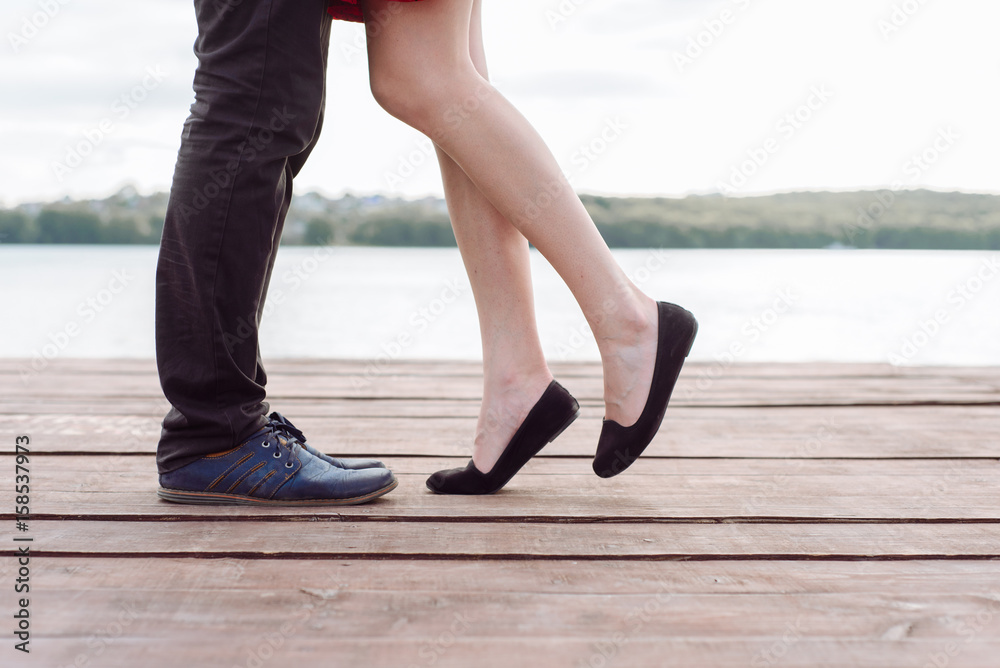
x=912 y=219
x=403 y=226
x=56 y=226
x=646 y=235
x=918 y=219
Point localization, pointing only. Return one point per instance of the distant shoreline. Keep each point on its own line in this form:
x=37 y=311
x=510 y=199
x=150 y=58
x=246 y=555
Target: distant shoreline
x=883 y=219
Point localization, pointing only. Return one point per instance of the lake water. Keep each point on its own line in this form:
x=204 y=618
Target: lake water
x=912 y=307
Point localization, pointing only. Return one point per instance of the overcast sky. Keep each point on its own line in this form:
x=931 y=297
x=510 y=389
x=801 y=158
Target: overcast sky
x=672 y=97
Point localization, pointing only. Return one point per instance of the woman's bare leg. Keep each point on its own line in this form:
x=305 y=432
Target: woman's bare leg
x=496 y=258
x=422 y=72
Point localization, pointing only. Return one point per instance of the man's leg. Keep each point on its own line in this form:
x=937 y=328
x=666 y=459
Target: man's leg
x=258 y=106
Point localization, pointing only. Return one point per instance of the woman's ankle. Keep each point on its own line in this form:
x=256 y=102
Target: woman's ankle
x=500 y=382
x=628 y=323
x=627 y=360
x=510 y=364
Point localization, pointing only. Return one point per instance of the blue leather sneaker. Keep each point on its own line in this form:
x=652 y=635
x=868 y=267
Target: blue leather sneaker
x=273 y=468
x=282 y=424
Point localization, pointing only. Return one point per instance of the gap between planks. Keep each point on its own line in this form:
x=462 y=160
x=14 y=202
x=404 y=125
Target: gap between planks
x=398 y=540
x=515 y=557
x=504 y=519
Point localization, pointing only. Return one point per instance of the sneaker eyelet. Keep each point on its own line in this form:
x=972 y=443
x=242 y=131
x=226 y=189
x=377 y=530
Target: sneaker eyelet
x=289 y=465
x=277 y=454
x=266 y=444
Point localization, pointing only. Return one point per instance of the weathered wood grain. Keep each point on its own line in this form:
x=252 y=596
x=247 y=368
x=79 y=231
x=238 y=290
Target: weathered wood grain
x=124 y=487
x=562 y=613
x=333 y=539
x=786 y=515
x=446 y=429
x=704 y=384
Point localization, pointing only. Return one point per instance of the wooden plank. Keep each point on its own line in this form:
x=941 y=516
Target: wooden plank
x=120 y=611
x=681 y=615
x=446 y=428
x=723 y=392
x=445 y=651
x=476 y=540
x=699 y=385
x=76 y=487
x=446 y=576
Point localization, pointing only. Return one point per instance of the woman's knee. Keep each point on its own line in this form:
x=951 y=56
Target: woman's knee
x=404 y=90
x=424 y=94
x=390 y=88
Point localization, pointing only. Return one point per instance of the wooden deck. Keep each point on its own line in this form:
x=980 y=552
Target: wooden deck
x=786 y=515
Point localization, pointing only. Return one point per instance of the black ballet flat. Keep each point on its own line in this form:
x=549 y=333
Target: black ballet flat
x=619 y=446
x=548 y=418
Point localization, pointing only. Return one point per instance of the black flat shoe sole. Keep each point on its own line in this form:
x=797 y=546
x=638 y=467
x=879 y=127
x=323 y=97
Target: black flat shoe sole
x=619 y=446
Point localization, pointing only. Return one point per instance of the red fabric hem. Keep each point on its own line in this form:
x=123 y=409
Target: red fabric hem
x=348 y=10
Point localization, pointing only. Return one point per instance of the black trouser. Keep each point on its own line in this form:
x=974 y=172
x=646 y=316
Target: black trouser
x=259 y=99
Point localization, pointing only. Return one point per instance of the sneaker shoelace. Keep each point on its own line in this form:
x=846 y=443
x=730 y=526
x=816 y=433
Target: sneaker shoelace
x=279 y=424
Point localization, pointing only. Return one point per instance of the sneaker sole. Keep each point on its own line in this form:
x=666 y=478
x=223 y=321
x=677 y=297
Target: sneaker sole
x=214 y=499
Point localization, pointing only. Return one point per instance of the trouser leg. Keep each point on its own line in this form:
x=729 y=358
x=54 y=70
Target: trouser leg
x=259 y=98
